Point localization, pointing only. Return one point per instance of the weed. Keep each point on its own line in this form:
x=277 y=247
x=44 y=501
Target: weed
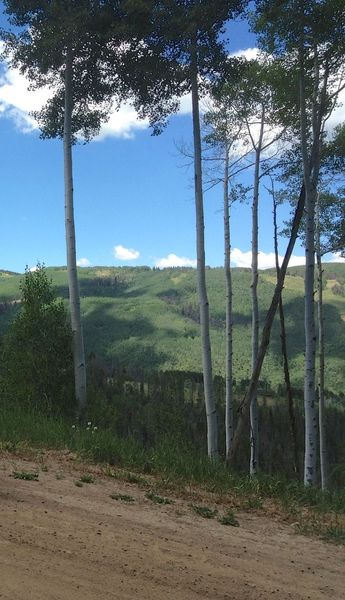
x=8 y=446
x=27 y=475
x=334 y=533
x=158 y=499
x=254 y=502
x=59 y=475
x=129 y=477
x=204 y=511
x=122 y=497
x=229 y=519
x=86 y=478
x=78 y=483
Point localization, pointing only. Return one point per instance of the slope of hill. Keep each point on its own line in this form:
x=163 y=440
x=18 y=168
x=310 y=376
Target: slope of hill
x=139 y=318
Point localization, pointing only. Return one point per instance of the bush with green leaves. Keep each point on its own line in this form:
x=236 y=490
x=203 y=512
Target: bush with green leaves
x=37 y=363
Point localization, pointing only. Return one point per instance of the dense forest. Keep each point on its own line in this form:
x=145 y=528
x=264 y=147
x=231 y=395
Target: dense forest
x=142 y=320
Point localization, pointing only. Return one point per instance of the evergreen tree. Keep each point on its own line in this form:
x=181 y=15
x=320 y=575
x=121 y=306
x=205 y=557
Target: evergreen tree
x=37 y=360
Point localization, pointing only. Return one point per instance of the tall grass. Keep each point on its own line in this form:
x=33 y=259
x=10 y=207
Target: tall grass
x=171 y=459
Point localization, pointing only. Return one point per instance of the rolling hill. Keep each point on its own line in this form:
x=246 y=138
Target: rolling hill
x=143 y=319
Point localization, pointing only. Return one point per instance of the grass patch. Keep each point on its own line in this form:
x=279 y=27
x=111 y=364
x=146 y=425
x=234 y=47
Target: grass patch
x=128 y=477
x=180 y=470
x=122 y=497
x=78 y=483
x=334 y=533
x=86 y=478
x=204 y=511
x=229 y=519
x=26 y=475
x=158 y=499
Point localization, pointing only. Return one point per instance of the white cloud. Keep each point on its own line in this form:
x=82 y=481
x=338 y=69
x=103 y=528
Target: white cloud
x=83 y=262
x=17 y=101
x=265 y=260
x=122 y=253
x=122 y=123
x=336 y=258
x=33 y=269
x=247 y=53
x=172 y=260
x=185 y=107
x=338 y=115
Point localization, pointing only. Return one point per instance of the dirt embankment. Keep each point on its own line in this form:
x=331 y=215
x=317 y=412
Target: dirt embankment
x=63 y=542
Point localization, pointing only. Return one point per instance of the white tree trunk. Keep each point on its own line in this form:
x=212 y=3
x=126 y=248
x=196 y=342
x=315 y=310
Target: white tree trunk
x=243 y=409
x=309 y=317
x=288 y=389
x=211 y=415
x=310 y=350
x=74 y=298
x=254 y=426
x=321 y=383
x=229 y=410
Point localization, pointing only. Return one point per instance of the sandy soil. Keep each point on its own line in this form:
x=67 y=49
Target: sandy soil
x=63 y=542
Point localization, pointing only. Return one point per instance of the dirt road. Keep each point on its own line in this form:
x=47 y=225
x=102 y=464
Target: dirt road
x=63 y=542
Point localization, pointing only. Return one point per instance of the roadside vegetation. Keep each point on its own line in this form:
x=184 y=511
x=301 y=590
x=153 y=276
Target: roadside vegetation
x=171 y=469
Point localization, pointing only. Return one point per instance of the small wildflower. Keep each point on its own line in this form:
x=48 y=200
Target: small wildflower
x=73 y=426
x=89 y=424
x=95 y=428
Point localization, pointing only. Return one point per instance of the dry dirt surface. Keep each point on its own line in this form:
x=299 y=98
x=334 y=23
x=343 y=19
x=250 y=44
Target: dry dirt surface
x=63 y=542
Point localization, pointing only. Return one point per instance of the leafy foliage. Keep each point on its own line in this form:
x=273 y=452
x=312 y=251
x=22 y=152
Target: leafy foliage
x=45 y=31
x=37 y=363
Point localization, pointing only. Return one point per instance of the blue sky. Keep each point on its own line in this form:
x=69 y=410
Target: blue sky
x=134 y=201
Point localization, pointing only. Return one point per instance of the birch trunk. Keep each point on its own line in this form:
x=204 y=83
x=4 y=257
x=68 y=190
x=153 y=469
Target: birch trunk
x=288 y=389
x=266 y=332
x=229 y=410
x=254 y=428
x=321 y=383
x=211 y=415
x=309 y=317
x=74 y=298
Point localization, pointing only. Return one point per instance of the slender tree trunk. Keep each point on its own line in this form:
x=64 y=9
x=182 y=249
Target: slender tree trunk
x=288 y=389
x=309 y=317
x=266 y=332
x=229 y=410
x=74 y=298
x=211 y=415
x=321 y=383
x=310 y=351
x=254 y=426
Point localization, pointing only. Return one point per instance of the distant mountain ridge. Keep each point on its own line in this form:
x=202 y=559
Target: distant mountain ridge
x=145 y=319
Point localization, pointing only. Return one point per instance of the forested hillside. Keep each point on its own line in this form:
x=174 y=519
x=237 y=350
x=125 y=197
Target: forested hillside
x=143 y=320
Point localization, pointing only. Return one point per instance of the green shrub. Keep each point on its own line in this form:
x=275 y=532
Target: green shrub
x=37 y=363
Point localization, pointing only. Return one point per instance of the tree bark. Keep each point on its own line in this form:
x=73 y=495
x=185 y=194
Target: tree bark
x=266 y=332
x=254 y=426
x=211 y=415
x=229 y=410
x=74 y=297
x=309 y=317
x=321 y=382
x=288 y=389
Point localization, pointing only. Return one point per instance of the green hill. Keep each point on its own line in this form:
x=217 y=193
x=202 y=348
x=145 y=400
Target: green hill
x=143 y=319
